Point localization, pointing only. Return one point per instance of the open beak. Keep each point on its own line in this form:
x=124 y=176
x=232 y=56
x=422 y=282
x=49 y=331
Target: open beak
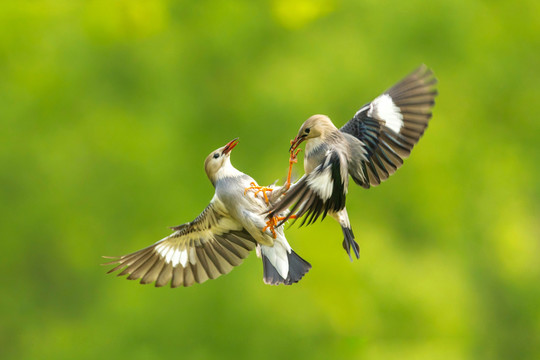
x=296 y=142
x=230 y=145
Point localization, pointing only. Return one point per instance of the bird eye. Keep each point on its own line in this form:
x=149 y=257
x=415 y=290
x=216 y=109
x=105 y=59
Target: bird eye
x=216 y=155
x=307 y=131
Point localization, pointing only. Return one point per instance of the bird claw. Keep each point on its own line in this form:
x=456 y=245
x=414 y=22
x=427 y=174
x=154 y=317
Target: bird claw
x=259 y=189
x=271 y=225
x=294 y=154
x=274 y=222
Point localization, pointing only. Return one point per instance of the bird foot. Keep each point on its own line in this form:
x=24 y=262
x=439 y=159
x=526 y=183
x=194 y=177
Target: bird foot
x=273 y=223
x=292 y=160
x=259 y=189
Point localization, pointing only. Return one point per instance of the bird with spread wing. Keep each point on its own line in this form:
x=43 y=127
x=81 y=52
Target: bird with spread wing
x=369 y=148
x=220 y=238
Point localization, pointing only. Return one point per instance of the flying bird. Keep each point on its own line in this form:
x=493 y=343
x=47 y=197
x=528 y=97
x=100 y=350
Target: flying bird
x=219 y=238
x=370 y=147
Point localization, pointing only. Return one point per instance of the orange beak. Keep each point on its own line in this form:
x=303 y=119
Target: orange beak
x=230 y=145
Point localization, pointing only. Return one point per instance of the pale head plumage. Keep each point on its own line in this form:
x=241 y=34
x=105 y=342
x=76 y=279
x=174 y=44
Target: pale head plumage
x=218 y=163
x=315 y=126
x=314 y=130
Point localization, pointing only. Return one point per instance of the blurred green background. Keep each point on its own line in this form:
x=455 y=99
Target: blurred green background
x=108 y=109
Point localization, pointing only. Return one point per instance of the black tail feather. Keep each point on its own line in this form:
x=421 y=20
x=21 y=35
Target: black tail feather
x=270 y=274
x=298 y=267
x=349 y=242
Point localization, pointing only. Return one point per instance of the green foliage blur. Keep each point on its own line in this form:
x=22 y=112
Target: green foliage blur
x=108 y=109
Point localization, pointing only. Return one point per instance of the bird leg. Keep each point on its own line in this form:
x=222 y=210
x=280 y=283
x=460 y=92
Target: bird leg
x=292 y=160
x=273 y=223
x=259 y=189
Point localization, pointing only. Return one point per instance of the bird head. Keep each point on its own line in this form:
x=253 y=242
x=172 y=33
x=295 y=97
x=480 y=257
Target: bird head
x=219 y=159
x=314 y=127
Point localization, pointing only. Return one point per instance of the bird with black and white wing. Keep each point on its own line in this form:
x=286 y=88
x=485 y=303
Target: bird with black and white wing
x=370 y=147
x=220 y=238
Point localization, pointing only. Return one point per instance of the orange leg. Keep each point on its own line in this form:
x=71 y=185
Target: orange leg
x=292 y=160
x=259 y=189
x=281 y=218
x=273 y=222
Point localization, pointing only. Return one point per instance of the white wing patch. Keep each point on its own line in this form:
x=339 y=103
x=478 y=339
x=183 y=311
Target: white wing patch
x=322 y=183
x=171 y=252
x=174 y=256
x=383 y=108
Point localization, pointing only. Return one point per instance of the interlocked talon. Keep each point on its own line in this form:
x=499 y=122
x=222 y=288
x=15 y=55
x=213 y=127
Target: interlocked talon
x=292 y=160
x=258 y=189
x=272 y=223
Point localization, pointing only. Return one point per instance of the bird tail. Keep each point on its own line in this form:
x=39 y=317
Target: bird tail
x=298 y=267
x=349 y=242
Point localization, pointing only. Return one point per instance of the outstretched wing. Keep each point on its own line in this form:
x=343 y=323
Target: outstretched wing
x=389 y=127
x=315 y=194
x=207 y=247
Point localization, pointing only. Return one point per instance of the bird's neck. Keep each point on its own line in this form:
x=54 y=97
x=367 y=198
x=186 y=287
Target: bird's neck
x=317 y=148
x=227 y=171
x=315 y=152
x=314 y=145
x=327 y=139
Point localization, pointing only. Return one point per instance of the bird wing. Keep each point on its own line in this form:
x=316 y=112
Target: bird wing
x=389 y=127
x=207 y=247
x=315 y=194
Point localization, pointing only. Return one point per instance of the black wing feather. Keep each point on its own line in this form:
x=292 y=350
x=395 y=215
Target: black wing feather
x=307 y=202
x=384 y=148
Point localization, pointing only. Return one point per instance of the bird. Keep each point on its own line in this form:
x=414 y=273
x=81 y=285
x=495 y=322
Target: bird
x=369 y=148
x=231 y=226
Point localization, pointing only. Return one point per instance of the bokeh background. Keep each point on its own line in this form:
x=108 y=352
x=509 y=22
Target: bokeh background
x=108 y=109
